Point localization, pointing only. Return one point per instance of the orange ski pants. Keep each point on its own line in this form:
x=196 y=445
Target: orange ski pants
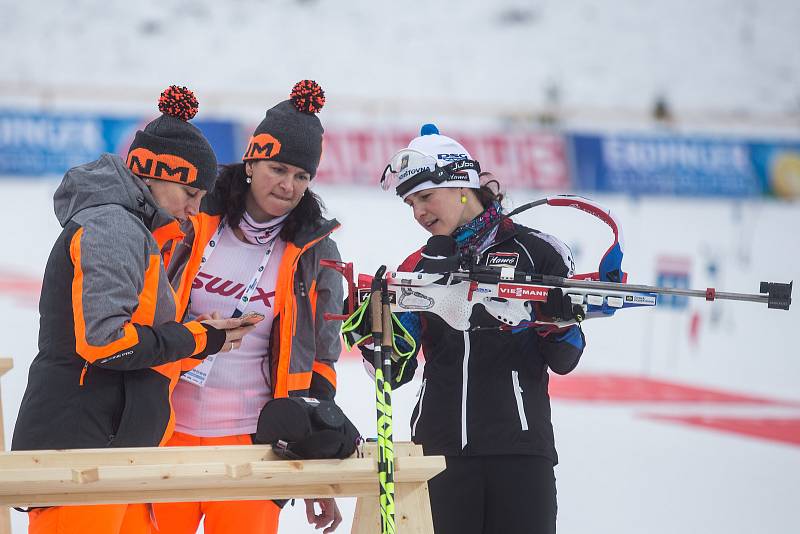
x=91 y=519
x=221 y=517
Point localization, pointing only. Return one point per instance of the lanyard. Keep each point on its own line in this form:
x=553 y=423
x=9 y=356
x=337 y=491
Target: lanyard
x=254 y=280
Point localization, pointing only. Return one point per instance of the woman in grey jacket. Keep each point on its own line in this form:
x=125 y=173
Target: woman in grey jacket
x=110 y=346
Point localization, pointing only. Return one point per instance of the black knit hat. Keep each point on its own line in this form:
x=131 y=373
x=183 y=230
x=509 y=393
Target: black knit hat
x=169 y=148
x=291 y=132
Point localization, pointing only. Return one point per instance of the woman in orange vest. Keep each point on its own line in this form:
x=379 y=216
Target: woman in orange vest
x=256 y=247
x=111 y=346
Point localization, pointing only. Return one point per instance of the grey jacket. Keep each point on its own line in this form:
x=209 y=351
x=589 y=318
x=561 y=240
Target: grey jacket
x=304 y=346
x=109 y=342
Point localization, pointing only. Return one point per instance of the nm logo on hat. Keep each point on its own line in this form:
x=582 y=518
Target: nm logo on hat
x=262 y=146
x=148 y=164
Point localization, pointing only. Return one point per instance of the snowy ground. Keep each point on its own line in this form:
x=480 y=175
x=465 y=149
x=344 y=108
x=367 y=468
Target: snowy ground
x=624 y=467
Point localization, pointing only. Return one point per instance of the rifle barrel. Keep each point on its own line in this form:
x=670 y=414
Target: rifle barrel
x=775 y=295
x=708 y=294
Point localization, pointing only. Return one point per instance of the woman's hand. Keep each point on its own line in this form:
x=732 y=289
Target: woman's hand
x=234 y=331
x=329 y=515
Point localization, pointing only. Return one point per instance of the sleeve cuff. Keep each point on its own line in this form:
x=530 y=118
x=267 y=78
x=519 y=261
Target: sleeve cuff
x=207 y=339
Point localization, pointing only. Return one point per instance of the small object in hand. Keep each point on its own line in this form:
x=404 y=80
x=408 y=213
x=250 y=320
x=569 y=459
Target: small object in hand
x=251 y=318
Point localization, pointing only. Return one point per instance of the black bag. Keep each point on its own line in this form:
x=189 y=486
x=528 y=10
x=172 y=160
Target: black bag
x=300 y=428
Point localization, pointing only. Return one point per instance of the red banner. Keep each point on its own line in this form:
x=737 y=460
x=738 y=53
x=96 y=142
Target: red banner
x=517 y=160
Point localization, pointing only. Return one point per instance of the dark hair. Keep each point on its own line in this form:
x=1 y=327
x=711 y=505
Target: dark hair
x=230 y=191
x=489 y=191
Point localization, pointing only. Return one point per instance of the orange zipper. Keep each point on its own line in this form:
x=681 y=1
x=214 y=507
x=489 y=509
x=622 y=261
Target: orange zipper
x=83 y=373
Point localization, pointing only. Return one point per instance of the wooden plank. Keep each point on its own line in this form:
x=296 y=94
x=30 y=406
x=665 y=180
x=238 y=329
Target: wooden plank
x=192 y=495
x=47 y=478
x=136 y=456
x=6 y=364
x=156 y=477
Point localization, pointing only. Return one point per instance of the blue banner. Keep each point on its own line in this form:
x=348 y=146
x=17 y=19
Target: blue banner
x=778 y=165
x=681 y=166
x=36 y=144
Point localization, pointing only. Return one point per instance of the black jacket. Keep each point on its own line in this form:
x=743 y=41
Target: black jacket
x=485 y=392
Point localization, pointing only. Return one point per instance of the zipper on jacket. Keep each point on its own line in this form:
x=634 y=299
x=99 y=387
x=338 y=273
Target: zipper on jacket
x=421 y=396
x=83 y=373
x=523 y=420
x=464 y=383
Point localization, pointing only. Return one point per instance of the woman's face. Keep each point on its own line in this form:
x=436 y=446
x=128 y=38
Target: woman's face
x=179 y=200
x=439 y=210
x=276 y=188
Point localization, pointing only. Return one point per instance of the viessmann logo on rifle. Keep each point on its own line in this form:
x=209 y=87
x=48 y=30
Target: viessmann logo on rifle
x=262 y=146
x=515 y=291
x=143 y=162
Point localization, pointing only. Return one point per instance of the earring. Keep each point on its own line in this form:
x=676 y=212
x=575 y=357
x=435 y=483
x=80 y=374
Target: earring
x=463 y=199
x=249 y=179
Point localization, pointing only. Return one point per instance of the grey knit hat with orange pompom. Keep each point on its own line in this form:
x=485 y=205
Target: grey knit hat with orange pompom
x=291 y=132
x=169 y=148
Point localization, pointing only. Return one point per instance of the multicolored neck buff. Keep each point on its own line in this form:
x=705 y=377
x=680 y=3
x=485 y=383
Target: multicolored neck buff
x=261 y=233
x=466 y=235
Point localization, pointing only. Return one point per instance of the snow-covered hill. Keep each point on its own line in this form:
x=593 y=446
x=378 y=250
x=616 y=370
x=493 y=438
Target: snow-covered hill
x=717 y=62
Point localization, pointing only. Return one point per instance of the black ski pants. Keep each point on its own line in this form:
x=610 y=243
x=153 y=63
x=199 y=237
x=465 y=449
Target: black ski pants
x=494 y=495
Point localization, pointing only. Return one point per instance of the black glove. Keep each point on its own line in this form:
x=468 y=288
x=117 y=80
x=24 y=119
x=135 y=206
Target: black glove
x=302 y=428
x=440 y=255
x=560 y=307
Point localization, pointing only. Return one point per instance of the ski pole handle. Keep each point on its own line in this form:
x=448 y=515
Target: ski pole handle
x=376 y=306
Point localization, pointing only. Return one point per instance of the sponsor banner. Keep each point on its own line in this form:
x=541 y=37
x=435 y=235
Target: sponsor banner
x=669 y=165
x=673 y=272
x=518 y=160
x=778 y=165
x=33 y=144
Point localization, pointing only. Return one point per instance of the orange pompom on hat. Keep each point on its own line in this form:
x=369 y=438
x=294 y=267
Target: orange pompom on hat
x=291 y=131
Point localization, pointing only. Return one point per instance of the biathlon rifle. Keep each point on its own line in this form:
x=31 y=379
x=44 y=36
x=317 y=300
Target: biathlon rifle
x=459 y=283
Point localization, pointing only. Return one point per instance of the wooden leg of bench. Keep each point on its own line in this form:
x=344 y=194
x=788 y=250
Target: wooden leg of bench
x=5 y=517
x=412 y=511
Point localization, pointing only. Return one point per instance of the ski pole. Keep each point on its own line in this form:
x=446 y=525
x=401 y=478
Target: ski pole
x=376 y=317
x=388 y=440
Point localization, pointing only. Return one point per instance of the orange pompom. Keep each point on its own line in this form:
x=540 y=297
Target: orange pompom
x=178 y=102
x=307 y=96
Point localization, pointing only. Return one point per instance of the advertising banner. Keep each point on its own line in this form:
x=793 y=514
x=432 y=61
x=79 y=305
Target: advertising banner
x=665 y=165
x=517 y=160
x=39 y=144
x=778 y=165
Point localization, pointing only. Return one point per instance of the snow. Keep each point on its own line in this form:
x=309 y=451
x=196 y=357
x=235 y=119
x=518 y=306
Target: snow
x=727 y=66
x=723 y=61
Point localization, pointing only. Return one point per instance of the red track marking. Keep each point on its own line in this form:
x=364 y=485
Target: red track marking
x=623 y=389
x=784 y=430
x=25 y=289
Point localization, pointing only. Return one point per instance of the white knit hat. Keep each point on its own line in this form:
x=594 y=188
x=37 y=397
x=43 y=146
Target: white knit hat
x=428 y=152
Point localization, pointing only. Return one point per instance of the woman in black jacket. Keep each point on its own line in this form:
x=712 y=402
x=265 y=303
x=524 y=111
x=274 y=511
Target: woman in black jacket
x=483 y=402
